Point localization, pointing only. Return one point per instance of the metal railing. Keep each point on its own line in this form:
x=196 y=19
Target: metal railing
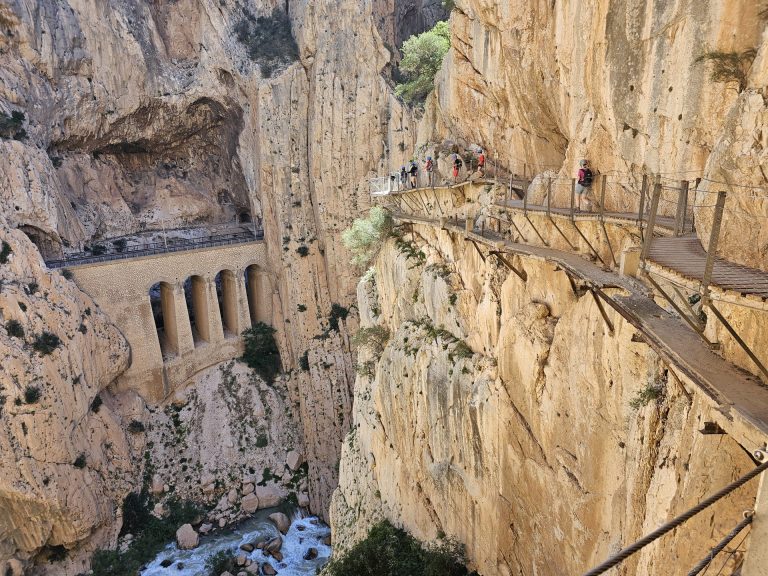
x=164 y=247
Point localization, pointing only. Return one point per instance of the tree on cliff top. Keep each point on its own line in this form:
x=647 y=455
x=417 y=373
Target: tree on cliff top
x=422 y=57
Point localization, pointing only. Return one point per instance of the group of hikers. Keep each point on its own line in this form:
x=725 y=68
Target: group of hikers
x=409 y=174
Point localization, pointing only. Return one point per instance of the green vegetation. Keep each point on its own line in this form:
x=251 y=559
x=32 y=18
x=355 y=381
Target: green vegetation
x=151 y=534
x=79 y=462
x=46 y=343
x=268 y=40
x=5 y=252
x=14 y=328
x=390 y=551
x=120 y=244
x=96 y=403
x=32 y=394
x=136 y=427
x=373 y=338
x=304 y=361
x=303 y=251
x=262 y=440
x=67 y=273
x=338 y=312
x=449 y=4
x=410 y=250
x=729 y=66
x=366 y=235
x=98 y=249
x=221 y=562
x=422 y=57
x=261 y=351
x=12 y=127
x=648 y=394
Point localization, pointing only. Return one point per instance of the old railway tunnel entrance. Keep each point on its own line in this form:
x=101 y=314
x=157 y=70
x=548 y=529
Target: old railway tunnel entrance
x=181 y=311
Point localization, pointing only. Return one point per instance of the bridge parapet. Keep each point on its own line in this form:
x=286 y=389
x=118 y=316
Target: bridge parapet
x=204 y=300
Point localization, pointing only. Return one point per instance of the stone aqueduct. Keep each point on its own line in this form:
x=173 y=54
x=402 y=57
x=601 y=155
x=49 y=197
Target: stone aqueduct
x=227 y=289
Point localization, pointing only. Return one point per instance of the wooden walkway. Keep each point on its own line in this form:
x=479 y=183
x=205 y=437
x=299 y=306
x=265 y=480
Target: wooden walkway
x=733 y=389
x=686 y=256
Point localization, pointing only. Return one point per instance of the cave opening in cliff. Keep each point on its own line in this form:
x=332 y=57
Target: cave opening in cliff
x=161 y=302
x=226 y=294
x=48 y=246
x=195 y=296
x=244 y=217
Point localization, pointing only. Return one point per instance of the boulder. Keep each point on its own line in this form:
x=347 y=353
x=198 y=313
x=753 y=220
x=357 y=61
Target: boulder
x=205 y=528
x=242 y=573
x=250 y=503
x=222 y=522
x=327 y=540
x=247 y=547
x=267 y=569
x=268 y=496
x=14 y=567
x=294 y=460
x=166 y=562
x=240 y=559
x=232 y=496
x=252 y=569
x=277 y=556
x=248 y=488
x=281 y=521
x=310 y=554
x=303 y=500
x=273 y=545
x=187 y=538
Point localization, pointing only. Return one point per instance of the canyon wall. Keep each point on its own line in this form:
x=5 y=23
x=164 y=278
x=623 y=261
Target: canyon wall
x=541 y=85
x=504 y=414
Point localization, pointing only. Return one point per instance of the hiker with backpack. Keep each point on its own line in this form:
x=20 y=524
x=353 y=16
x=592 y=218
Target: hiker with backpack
x=429 y=166
x=403 y=177
x=481 y=164
x=583 y=184
x=414 y=170
x=457 y=163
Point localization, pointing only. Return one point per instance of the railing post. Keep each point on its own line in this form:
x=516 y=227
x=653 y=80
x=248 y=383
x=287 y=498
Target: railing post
x=549 y=196
x=682 y=207
x=651 y=222
x=525 y=198
x=603 y=184
x=573 y=197
x=714 y=236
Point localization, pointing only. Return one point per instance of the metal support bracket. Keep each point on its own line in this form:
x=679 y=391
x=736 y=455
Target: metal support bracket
x=603 y=313
x=522 y=274
x=476 y=248
x=738 y=338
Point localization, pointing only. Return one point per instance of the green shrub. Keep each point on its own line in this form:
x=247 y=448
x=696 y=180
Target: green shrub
x=422 y=57
x=96 y=403
x=67 y=273
x=5 y=252
x=262 y=440
x=304 y=361
x=268 y=40
x=136 y=427
x=32 y=394
x=14 y=328
x=79 y=462
x=261 y=351
x=221 y=562
x=46 y=343
x=366 y=235
x=373 y=338
x=12 y=126
x=338 y=312
x=120 y=244
x=151 y=535
x=729 y=66
x=303 y=251
x=98 y=249
x=647 y=395
x=32 y=287
x=390 y=551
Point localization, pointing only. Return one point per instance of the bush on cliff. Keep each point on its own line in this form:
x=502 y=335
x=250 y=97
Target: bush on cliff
x=268 y=40
x=261 y=351
x=366 y=235
x=422 y=57
x=390 y=551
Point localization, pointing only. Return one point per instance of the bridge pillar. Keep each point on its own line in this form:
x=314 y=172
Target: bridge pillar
x=214 y=331
x=178 y=329
x=756 y=558
x=259 y=295
x=233 y=302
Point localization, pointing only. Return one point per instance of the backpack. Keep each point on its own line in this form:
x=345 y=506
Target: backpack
x=429 y=165
x=586 y=179
x=458 y=163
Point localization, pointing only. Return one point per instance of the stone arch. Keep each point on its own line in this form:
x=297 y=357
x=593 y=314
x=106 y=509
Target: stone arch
x=259 y=295
x=244 y=217
x=226 y=294
x=164 y=315
x=196 y=297
x=48 y=244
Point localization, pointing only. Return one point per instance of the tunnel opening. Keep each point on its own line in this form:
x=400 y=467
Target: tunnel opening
x=49 y=247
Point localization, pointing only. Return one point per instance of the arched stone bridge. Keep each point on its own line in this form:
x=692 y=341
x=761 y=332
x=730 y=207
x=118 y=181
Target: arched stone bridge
x=181 y=312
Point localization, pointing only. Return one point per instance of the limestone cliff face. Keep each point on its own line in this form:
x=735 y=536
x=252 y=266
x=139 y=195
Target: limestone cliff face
x=142 y=116
x=541 y=85
x=525 y=446
x=65 y=457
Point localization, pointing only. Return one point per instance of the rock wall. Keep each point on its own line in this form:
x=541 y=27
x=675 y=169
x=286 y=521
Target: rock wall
x=505 y=415
x=66 y=461
x=541 y=85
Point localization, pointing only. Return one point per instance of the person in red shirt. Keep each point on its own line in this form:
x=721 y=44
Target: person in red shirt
x=481 y=163
x=583 y=184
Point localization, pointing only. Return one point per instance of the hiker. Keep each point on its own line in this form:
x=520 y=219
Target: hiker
x=403 y=177
x=414 y=171
x=457 y=163
x=583 y=184
x=429 y=166
x=481 y=164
